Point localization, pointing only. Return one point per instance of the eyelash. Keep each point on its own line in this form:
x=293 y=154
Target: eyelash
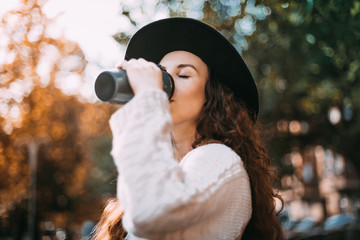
x=183 y=76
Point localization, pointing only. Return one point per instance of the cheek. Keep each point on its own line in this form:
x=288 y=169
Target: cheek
x=189 y=100
x=188 y=92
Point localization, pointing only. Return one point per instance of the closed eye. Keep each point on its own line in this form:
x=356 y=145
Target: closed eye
x=183 y=76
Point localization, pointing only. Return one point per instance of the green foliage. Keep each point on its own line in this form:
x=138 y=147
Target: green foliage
x=307 y=57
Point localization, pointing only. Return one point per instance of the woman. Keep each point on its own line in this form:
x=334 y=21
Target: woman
x=190 y=167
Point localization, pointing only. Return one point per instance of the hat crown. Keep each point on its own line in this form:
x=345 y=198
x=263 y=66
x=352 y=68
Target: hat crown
x=153 y=41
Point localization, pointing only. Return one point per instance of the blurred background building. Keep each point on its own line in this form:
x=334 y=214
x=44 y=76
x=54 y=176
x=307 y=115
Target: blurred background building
x=324 y=184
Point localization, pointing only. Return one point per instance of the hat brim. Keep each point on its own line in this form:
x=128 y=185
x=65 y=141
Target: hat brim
x=155 y=40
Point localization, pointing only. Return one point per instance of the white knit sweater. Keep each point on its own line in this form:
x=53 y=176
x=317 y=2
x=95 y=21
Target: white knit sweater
x=205 y=196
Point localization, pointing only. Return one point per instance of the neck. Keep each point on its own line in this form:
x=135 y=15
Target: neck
x=184 y=135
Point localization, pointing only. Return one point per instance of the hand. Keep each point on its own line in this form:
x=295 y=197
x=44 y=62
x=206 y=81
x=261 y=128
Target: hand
x=142 y=75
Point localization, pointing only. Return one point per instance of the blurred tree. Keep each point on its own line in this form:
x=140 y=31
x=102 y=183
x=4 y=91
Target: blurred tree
x=34 y=109
x=308 y=70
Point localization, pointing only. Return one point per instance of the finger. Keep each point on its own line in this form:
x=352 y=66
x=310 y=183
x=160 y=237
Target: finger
x=132 y=60
x=139 y=64
x=121 y=64
x=144 y=62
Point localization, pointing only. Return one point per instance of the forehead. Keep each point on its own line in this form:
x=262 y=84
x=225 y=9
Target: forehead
x=183 y=57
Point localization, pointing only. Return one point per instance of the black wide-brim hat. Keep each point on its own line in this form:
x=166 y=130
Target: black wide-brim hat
x=153 y=41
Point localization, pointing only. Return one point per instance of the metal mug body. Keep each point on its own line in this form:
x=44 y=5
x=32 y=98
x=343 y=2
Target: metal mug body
x=113 y=86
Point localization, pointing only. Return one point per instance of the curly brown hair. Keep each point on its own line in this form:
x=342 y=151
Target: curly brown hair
x=225 y=119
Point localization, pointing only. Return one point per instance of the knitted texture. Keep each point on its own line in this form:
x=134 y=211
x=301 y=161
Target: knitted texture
x=205 y=196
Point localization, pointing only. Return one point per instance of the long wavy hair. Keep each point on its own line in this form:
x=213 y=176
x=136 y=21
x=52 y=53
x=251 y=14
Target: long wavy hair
x=225 y=119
